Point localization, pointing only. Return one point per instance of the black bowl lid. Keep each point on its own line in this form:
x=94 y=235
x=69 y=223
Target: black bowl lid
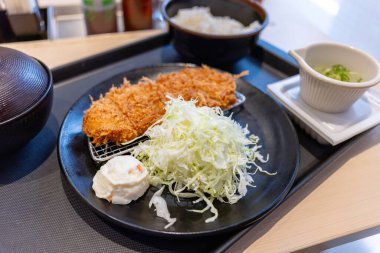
x=23 y=82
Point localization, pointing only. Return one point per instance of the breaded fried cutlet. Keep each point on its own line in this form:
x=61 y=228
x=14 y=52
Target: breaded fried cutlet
x=126 y=112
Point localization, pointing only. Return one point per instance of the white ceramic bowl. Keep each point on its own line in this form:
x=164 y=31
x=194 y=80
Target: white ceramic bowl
x=327 y=94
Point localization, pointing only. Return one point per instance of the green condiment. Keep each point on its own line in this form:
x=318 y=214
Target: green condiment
x=339 y=72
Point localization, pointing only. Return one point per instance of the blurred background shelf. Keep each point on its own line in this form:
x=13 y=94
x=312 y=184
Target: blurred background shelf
x=296 y=23
x=292 y=23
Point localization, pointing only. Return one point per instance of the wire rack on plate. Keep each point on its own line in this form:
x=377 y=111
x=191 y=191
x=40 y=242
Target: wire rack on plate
x=109 y=150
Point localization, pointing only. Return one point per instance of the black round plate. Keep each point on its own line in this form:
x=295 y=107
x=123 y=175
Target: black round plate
x=264 y=118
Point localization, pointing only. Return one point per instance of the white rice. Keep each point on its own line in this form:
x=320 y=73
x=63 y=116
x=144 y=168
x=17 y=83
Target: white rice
x=201 y=20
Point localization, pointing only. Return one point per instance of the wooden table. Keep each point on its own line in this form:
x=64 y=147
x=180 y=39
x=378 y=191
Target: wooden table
x=339 y=204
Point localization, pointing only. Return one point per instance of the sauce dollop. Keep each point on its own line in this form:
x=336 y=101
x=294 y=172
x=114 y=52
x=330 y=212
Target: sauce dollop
x=121 y=180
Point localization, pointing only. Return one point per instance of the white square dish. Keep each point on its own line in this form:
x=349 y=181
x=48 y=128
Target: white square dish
x=328 y=128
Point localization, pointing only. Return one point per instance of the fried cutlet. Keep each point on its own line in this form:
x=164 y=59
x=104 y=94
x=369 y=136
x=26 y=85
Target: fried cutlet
x=127 y=112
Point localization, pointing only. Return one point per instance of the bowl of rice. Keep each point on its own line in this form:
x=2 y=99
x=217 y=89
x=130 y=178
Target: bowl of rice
x=214 y=32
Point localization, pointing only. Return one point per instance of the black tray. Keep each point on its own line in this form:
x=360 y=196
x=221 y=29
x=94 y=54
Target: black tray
x=40 y=211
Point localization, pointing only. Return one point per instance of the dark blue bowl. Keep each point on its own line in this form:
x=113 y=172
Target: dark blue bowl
x=26 y=97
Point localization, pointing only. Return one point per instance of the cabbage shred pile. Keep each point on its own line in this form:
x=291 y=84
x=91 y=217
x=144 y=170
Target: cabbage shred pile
x=199 y=152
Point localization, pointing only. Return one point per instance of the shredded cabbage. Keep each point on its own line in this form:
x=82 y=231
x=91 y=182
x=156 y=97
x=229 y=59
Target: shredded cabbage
x=161 y=207
x=199 y=152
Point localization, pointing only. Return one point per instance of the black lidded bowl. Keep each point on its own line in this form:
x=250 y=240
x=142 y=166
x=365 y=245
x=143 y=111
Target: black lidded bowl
x=26 y=97
x=216 y=50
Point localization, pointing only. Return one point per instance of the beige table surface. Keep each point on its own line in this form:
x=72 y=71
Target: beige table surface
x=56 y=53
x=341 y=201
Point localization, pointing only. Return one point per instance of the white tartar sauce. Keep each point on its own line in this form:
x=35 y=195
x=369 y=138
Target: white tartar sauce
x=121 y=180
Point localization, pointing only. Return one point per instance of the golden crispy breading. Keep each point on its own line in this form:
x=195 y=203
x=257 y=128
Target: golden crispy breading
x=143 y=104
x=126 y=112
x=211 y=88
x=105 y=122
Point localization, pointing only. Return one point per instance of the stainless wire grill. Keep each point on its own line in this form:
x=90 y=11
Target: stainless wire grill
x=109 y=150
